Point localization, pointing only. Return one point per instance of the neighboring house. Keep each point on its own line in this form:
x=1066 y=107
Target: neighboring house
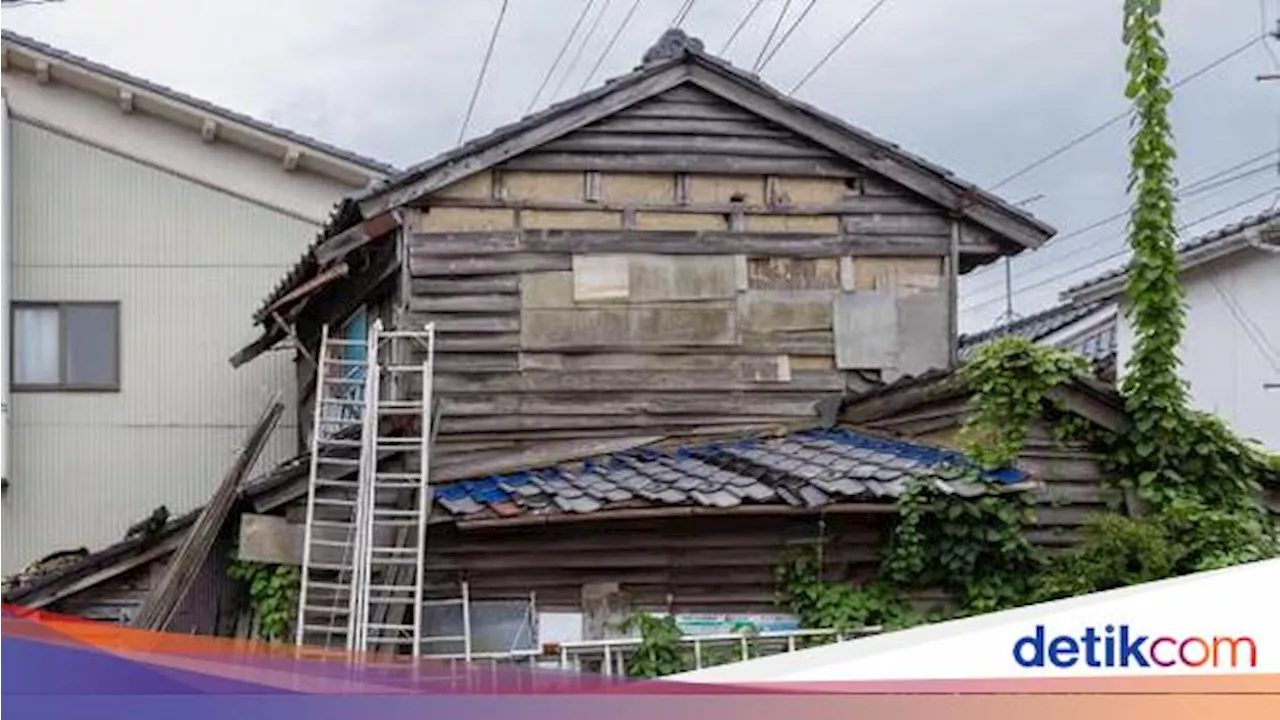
x=1230 y=350
x=686 y=326
x=1087 y=328
x=140 y=225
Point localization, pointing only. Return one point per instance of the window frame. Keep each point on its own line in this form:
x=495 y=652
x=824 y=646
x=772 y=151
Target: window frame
x=62 y=386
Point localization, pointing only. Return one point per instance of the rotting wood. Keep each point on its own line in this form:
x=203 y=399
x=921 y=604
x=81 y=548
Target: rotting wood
x=464 y=303
x=421 y=265
x=692 y=242
x=643 y=125
x=661 y=107
x=677 y=512
x=157 y=610
x=628 y=404
x=337 y=272
x=545 y=455
x=472 y=285
x=869 y=215
x=680 y=163
x=691 y=144
x=632 y=381
x=344 y=243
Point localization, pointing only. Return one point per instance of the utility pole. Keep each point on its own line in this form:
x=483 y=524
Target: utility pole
x=1009 y=315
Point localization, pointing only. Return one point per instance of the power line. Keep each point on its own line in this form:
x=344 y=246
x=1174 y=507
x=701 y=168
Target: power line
x=755 y=66
x=1073 y=270
x=1258 y=340
x=787 y=34
x=595 y=24
x=681 y=14
x=484 y=68
x=1197 y=187
x=560 y=56
x=1117 y=118
x=741 y=24
x=839 y=44
x=609 y=46
x=1262 y=27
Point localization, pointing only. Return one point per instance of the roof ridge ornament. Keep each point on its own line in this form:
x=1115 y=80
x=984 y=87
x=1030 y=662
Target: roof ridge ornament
x=673 y=44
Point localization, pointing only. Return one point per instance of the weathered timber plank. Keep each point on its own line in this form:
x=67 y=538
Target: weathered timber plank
x=681 y=162
x=472 y=342
x=541 y=455
x=804 y=245
x=683 y=126
x=663 y=108
x=467 y=243
x=468 y=323
x=689 y=94
x=923 y=338
x=475 y=362
x=691 y=144
x=731 y=431
x=893 y=224
x=269 y=539
x=866 y=330
x=430 y=266
x=578 y=362
x=641 y=423
x=652 y=403
x=632 y=381
x=783 y=273
x=472 y=285
x=464 y=303
x=776 y=311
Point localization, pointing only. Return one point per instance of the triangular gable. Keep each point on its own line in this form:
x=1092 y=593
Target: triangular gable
x=746 y=104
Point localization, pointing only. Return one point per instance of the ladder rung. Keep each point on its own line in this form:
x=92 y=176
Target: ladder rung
x=402 y=368
x=342 y=402
x=398 y=485
x=389 y=640
x=421 y=334
x=396 y=523
x=442 y=603
x=348 y=462
x=346 y=363
x=334 y=380
x=390 y=600
x=342 y=443
x=346 y=343
x=330 y=566
x=324 y=482
x=407 y=441
x=330 y=610
x=336 y=587
x=334 y=629
x=390 y=475
x=334 y=501
x=330 y=543
x=401 y=562
x=444 y=638
x=394 y=550
x=332 y=524
x=393 y=588
x=400 y=404
x=394 y=627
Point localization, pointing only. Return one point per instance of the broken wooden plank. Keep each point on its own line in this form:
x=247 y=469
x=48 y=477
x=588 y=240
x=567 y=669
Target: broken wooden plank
x=158 y=609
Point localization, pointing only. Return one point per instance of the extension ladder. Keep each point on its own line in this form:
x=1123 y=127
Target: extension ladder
x=394 y=502
x=325 y=593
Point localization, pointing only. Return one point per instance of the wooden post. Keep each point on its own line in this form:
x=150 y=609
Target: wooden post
x=953 y=293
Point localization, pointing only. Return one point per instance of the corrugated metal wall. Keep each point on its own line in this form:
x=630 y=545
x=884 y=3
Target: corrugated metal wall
x=188 y=265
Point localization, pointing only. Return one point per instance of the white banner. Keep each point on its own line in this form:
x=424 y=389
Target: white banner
x=1219 y=622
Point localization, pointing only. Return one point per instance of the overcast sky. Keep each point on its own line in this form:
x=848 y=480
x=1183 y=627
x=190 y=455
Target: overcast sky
x=982 y=87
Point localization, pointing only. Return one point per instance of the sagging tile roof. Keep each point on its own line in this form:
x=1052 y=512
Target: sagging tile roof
x=305 y=141
x=1188 y=250
x=802 y=470
x=1097 y=346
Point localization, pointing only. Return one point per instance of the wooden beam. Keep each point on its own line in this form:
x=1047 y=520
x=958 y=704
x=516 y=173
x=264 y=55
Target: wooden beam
x=124 y=98
x=156 y=551
x=291 y=158
x=336 y=272
x=680 y=163
x=163 y=600
x=357 y=236
x=677 y=512
x=208 y=130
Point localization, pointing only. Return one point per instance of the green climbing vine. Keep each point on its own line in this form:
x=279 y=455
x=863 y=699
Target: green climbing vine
x=273 y=595
x=1197 y=483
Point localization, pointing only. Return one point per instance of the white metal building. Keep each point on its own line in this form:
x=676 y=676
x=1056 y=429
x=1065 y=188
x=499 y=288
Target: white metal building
x=141 y=227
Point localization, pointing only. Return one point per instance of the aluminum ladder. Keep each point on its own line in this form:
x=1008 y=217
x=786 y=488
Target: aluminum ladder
x=394 y=502
x=326 y=589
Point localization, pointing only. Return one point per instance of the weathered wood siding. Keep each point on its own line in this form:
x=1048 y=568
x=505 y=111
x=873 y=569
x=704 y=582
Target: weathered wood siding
x=710 y=564
x=682 y=266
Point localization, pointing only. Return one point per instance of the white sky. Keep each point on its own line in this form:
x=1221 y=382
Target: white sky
x=982 y=87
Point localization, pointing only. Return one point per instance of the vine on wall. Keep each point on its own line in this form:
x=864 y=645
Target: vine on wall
x=273 y=595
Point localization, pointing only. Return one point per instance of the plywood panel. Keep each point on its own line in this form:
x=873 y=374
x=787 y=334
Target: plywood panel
x=524 y=185
x=793 y=223
x=659 y=278
x=770 y=311
x=902 y=276
x=478 y=186
x=706 y=324
x=809 y=191
x=720 y=189
x=570 y=220
x=546 y=290
x=681 y=221
x=601 y=277
x=924 y=341
x=866 y=329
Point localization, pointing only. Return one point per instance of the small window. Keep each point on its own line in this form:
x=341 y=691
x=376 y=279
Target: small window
x=66 y=346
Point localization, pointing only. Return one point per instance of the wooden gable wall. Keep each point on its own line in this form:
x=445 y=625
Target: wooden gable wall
x=680 y=267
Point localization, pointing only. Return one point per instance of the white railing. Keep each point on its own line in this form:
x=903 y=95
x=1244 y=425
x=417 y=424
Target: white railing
x=612 y=653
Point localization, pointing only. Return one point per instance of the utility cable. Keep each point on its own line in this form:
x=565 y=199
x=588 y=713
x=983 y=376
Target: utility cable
x=609 y=46
x=484 y=68
x=741 y=24
x=560 y=56
x=755 y=66
x=1079 y=139
x=839 y=44
x=1198 y=187
x=681 y=14
x=595 y=24
x=1073 y=270
x=787 y=35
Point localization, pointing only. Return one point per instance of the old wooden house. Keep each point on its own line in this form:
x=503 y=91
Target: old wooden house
x=685 y=324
